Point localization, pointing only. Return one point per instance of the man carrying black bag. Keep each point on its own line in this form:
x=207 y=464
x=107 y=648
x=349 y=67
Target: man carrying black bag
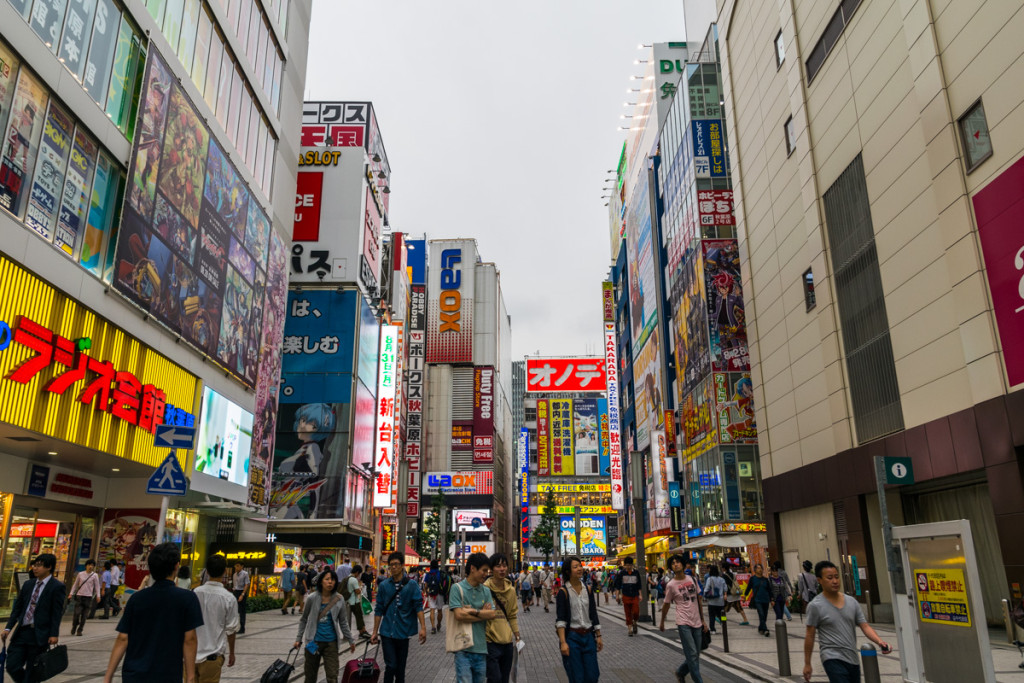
x=37 y=613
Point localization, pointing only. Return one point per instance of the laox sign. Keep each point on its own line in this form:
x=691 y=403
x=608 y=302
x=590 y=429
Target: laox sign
x=452 y=481
x=451 y=299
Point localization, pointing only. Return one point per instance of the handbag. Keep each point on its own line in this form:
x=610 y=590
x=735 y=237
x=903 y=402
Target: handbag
x=458 y=634
x=705 y=640
x=281 y=670
x=367 y=607
x=50 y=663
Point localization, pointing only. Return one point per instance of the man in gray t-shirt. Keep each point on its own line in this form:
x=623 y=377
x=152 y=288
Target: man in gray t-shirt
x=835 y=618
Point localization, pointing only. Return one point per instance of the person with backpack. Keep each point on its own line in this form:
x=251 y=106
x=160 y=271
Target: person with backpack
x=807 y=585
x=435 y=603
x=733 y=599
x=354 y=599
x=320 y=635
x=780 y=590
x=502 y=633
x=578 y=625
x=525 y=589
x=399 y=606
x=714 y=595
x=777 y=566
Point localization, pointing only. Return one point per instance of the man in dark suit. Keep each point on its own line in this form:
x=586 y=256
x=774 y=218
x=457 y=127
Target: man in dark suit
x=37 y=613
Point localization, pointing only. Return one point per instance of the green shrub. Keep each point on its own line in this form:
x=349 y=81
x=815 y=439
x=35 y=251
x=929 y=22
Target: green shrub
x=261 y=603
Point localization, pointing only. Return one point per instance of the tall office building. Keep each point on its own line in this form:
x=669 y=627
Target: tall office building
x=146 y=206
x=878 y=162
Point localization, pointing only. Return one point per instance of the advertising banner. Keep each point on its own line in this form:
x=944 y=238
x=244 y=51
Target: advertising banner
x=604 y=465
x=224 y=441
x=660 y=474
x=708 y=148
x=309 y=187
x=543 y=447
x=450 y=306
x=550 y=375
x=647 y=382
x=608 y=301
x=483 y=415
x=319 y=346
x=129 y=535
x=699 y=425
x=593 y=536
x=462 y=435
x=544 y=487
x=384 y=446
x=611 y=362
x=335 y=124
x=562 y=437
x=414 y=398
x=524 y=486
x=643 y=298
x=47 y=186
x=726 y=315
x=586 y=418
x=715 y=207
x=693 y=354
x=21 y=144
x=458 y=483
x=71 y=217
x=734 y=403
x=194 y=246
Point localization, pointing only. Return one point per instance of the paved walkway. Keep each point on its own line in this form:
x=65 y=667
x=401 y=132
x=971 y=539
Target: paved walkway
x=754 y=657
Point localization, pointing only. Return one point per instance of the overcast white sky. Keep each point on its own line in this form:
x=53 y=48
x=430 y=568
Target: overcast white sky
x=500 y=120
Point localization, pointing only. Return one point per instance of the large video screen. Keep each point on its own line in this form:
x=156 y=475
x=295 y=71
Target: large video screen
x=225 y=439
x=193 y=244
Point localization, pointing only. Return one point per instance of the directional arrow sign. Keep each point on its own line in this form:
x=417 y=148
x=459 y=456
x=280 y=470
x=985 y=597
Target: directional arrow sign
x=174 y=436
x=169 y=479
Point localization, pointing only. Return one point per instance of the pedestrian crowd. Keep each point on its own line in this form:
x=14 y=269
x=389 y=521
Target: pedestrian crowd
x=199 y=620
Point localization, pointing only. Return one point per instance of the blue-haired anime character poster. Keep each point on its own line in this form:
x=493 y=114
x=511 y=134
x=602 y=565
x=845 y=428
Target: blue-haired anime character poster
x=309 y=461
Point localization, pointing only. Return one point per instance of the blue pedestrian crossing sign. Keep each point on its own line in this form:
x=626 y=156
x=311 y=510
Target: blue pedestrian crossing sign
x=169 y=478
x=174 y=436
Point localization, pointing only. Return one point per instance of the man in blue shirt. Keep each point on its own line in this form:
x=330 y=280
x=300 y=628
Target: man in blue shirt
x=108 y=592
x=399 y=606
x=288 y=587
x=471 y=601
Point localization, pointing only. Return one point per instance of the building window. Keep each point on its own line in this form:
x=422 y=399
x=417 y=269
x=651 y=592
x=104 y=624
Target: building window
x=780 y=50
x=860 y=299
x=974 y=136
x=834 y=29
x=787 y=128
x=808 y=284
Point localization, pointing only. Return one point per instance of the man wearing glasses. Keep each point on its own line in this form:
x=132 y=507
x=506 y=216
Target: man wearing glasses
x=399 y=607
x=36 y=614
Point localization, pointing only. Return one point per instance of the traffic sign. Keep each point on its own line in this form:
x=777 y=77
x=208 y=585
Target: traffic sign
x=169 y=478
x=174 y=436
x=899 y=471
x=489 y=521
x=674 y=499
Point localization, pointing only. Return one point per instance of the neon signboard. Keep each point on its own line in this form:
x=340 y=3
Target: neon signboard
x=384 y=444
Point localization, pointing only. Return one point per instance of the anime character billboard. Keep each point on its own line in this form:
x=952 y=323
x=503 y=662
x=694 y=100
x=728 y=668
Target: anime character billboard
x=727 y=321
x=129 y=535
x=309 y=461
x=734 y=404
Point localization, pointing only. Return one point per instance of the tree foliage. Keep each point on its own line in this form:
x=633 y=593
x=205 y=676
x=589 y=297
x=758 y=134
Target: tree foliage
x=431 y=528
x=545 y=535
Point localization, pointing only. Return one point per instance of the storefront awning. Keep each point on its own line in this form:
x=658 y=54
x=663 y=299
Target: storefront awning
x=631 y=548
x=727 y=541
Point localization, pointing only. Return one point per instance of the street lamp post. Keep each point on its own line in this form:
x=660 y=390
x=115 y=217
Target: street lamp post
x=636 y=476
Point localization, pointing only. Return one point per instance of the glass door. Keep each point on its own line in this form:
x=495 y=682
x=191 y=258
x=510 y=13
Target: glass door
x=17 y=555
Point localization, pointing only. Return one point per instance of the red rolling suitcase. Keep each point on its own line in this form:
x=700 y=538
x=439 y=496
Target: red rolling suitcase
x=363 y=670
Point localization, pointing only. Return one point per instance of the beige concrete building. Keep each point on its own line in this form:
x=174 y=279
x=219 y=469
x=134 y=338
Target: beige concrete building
x=877 y=161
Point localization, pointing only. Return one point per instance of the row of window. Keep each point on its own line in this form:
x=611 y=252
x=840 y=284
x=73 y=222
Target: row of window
x=53 y=174
x=99 y=45
x=210 y=62
x=252 y=28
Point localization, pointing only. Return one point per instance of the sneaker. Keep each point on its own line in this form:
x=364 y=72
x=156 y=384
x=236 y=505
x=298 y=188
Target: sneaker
x=789 y=618
x=766 y=634
x=284 y=611
x=744 y=623
x=433 y=631
x=293 y=611
x=680 y=677
x=629 y=633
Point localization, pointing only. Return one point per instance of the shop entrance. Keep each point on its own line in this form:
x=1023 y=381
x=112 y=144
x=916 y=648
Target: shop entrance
x=66 y=533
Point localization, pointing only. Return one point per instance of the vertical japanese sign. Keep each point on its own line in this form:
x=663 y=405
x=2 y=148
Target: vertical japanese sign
x=562 y=438
x=543 y=459
x=611 y=364
x=398 y=447
x=715 y=207
x=309 y=186
x=605 y=453
x=608 y=301
x=450 y=311
x=384 y=446
x=524 y=486
x=483 y=415
x=708 y=150
x=414 y=394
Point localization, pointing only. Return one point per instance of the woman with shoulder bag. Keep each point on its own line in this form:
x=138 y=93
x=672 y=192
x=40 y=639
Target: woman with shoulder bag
x=320 y=634
x=578 y=626
x=714 y=595
x=733 y=599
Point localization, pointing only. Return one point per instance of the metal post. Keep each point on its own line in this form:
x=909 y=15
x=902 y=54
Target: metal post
x=403 y=503
x=725 y=632
x=893 y=562
x=869 y=664
x=162 y=522
x=442 y=536
x=782 y=647
x=1008 y=622
x=870 y=608
x=576 y=523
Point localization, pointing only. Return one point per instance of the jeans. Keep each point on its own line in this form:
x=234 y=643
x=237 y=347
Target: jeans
x=396 y=652
x=499 y=662
x=470 y=667
x=691 y=638
x=328 y=652
x=839 y=671
x=581 y=664
x=715 y=615
x=780 y=606
x=632 y=607
x=762 y=616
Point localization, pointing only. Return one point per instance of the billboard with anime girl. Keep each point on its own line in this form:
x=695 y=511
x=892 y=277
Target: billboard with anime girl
x=128 y=536
x=309 y=461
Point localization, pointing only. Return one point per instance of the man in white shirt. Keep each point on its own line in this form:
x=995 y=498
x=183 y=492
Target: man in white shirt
x=547 y=579
x=354 y=586
x=220 y=623
x=116 y=574
x=240 y=588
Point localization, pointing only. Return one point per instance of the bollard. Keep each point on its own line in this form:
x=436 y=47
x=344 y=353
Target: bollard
x=725 y=633
x=870 y=607
x=782 y=647
x=1008 y=622
x=869 y=664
